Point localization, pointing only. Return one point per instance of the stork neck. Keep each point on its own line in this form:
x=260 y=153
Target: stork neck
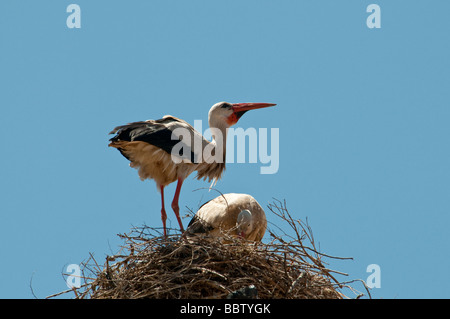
x=219 y=136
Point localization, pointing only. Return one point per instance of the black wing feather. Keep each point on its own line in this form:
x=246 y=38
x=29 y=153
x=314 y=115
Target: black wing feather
x=198 y=226
x=155 y=133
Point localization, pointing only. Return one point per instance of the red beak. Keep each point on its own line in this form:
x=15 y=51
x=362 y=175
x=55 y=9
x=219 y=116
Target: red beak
x=240 y=107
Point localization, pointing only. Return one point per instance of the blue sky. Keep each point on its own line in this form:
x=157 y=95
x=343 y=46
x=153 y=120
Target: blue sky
x=363 y=116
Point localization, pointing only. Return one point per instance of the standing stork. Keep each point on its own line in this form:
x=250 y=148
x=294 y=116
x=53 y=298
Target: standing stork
x=160 y=149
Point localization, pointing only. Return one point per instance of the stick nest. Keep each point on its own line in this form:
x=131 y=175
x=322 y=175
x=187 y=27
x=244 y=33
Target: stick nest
x=150 y=265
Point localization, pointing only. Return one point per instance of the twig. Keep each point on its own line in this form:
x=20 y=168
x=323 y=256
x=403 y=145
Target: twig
x=31 y=285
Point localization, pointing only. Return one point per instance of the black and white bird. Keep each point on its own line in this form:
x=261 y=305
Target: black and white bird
x=232 y=214
x=170 y=149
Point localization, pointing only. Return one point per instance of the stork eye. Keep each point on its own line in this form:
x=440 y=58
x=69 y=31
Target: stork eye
x=226 y=105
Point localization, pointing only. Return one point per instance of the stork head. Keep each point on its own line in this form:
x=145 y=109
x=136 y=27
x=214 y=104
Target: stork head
x=244 y=223
x=227 y=114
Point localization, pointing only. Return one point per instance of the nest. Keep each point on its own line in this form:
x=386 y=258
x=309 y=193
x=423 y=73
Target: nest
x=150 y=265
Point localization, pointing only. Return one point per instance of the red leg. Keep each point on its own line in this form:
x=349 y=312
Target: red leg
x=163 y=211
x=175 y=206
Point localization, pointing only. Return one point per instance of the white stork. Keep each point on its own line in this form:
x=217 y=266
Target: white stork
x=149 y=145
x=235 y=214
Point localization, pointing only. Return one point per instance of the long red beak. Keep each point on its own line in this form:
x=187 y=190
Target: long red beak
x=241 y=107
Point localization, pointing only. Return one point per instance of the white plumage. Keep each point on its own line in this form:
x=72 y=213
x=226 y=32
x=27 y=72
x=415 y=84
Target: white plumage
x=235 y=214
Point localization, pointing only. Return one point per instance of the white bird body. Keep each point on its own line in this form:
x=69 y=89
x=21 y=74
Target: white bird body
x=149 y=146
x=154 y=161
x=222 y=215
